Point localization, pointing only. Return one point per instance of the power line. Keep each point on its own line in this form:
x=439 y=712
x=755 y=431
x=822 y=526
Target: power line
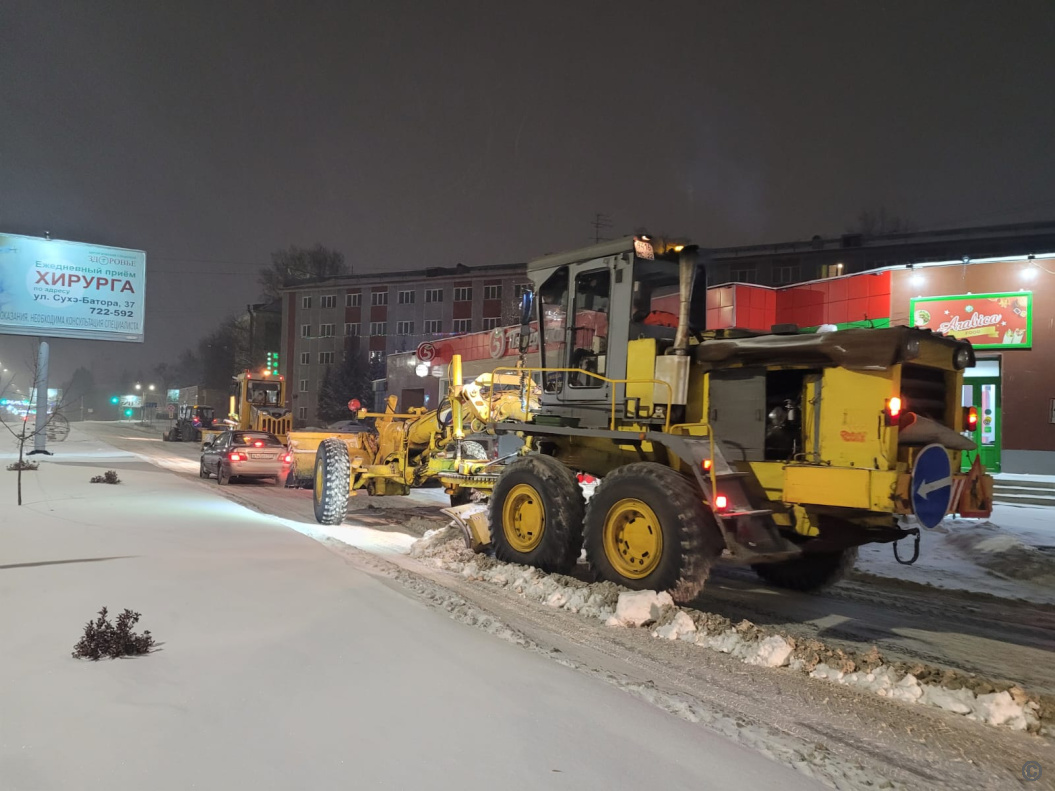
x=600 y=221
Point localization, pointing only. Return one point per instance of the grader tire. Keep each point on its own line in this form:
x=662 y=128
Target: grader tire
x=536 y=514
x=808 y=573
x=332 y=482
x=647 y=529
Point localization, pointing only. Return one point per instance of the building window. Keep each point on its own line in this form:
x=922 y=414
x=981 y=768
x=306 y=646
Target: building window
x=404 y=328
x=831 y=270
x=432 y=326
x=434 y=295
x=303 y=385
x=785 y=273
x=463 y=325
x=326 y=358
x=463 y=294
x=492 y=292
x=353 y=300
x=305 y=358
x=305 y=302
x=379 y=298
x=377 y=357
x=326 y=330
x=351 y=330
x=490 y=324
x=329 y=301
x=302 y=413
x=406 y=297
x=744 y=274
x=379 y=328
x=305 y=330
x=519 y=289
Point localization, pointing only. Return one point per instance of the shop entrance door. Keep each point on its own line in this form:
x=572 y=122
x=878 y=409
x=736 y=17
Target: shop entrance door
x=983 y=393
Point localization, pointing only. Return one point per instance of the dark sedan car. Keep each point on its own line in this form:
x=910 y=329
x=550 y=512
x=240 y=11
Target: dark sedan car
x=245 y=454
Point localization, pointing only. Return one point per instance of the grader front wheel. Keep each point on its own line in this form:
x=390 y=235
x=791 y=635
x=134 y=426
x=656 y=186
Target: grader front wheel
x=332 y=482
x=536 y=514
x=647 y=529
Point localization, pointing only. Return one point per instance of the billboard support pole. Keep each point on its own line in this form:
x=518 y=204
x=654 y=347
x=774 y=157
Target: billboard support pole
x=40 y=434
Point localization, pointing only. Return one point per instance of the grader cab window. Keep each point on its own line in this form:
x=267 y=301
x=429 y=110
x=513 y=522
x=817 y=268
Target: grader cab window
x=654 y=311
x=554 y=297
x=264 y=394
x=590 y=330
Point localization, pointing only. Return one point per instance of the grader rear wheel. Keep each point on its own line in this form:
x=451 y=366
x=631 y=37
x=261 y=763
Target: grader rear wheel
x=647 y=529
x=810 y=572
x=332 y=482
x=536 y=514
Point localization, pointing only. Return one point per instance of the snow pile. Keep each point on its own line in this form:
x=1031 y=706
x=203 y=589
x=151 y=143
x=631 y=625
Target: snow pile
x=949 y=690
x=1010 y=555
x=637 y=608
x=1010 y=708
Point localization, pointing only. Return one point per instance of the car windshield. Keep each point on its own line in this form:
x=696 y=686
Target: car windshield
x=252 y=438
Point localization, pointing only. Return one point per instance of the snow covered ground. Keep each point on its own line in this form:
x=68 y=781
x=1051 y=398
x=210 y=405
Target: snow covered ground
x=281 y=666
x=1011 y=555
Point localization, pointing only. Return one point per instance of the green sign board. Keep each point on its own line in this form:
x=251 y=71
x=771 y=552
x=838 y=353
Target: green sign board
x=988 y=321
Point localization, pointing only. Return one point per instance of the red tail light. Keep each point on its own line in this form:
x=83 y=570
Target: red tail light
x=258 y=444
x=893 y=411
x=970 y=418
x=287 y=458
x=706 y=465
x=236 y=456
x=721 y=502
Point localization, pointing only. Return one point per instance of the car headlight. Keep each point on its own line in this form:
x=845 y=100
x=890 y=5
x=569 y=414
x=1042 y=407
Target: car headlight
x=962 y=358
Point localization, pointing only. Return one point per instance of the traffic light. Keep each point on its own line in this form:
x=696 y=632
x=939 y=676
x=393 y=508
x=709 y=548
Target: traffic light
x=128 y=413
x=115 y=399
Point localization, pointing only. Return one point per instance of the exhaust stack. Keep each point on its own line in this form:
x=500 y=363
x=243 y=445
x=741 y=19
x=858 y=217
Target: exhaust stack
x=686 y=275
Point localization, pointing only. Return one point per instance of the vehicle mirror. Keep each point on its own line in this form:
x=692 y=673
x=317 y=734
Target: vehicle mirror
x=527 y=302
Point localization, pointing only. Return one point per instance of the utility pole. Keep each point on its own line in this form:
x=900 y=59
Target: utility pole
x=600 y=221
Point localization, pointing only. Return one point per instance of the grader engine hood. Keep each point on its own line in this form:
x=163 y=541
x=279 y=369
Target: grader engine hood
x=853 y=349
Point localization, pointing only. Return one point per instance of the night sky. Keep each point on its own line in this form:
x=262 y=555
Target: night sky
x=210 y=134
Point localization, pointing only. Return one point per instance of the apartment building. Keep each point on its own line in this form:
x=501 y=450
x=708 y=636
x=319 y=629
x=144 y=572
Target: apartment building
x=386 y=313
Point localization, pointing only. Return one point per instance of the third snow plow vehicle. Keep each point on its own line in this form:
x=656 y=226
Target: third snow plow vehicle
x=783 y=450
x=406 y=450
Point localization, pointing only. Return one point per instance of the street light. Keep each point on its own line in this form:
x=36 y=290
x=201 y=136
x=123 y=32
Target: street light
x=139 y=386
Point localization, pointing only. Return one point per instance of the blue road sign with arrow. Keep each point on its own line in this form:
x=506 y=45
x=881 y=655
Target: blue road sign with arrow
x=931 y=485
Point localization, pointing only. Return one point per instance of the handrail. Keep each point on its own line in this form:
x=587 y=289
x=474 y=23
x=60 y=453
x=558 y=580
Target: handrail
x=611 y=421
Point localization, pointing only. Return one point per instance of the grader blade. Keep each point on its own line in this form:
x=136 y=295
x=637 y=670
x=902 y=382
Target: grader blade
x=472 y=520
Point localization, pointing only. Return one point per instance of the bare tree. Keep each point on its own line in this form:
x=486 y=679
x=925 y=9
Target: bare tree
x=298 y=265
x=22 y=431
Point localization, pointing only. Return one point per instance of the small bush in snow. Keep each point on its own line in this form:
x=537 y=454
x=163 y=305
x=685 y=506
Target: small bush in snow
x=110 y=476
x=22 y=465
x=103 y=638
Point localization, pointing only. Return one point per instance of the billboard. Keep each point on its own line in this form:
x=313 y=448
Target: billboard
x=59 y=289
x=990 y=321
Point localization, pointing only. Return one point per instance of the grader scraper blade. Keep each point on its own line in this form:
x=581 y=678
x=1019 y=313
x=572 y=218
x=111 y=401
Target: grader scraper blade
x=473 y=522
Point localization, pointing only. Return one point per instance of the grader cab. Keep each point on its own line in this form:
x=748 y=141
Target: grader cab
x=258 y=403
x=783 y=450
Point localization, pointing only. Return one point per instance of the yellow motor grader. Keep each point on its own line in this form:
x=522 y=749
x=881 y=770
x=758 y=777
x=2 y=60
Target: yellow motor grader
x=783 y=450
x=408 y=450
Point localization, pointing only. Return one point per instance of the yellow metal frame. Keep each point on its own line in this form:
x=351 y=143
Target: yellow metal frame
x=608 y=380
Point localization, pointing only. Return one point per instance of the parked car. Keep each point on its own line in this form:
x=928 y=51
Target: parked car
x=245 y=454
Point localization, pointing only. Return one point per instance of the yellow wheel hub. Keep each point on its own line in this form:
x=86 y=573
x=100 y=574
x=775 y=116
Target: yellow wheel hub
x=633 y=540
x=523 y=518
x=319 y=478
